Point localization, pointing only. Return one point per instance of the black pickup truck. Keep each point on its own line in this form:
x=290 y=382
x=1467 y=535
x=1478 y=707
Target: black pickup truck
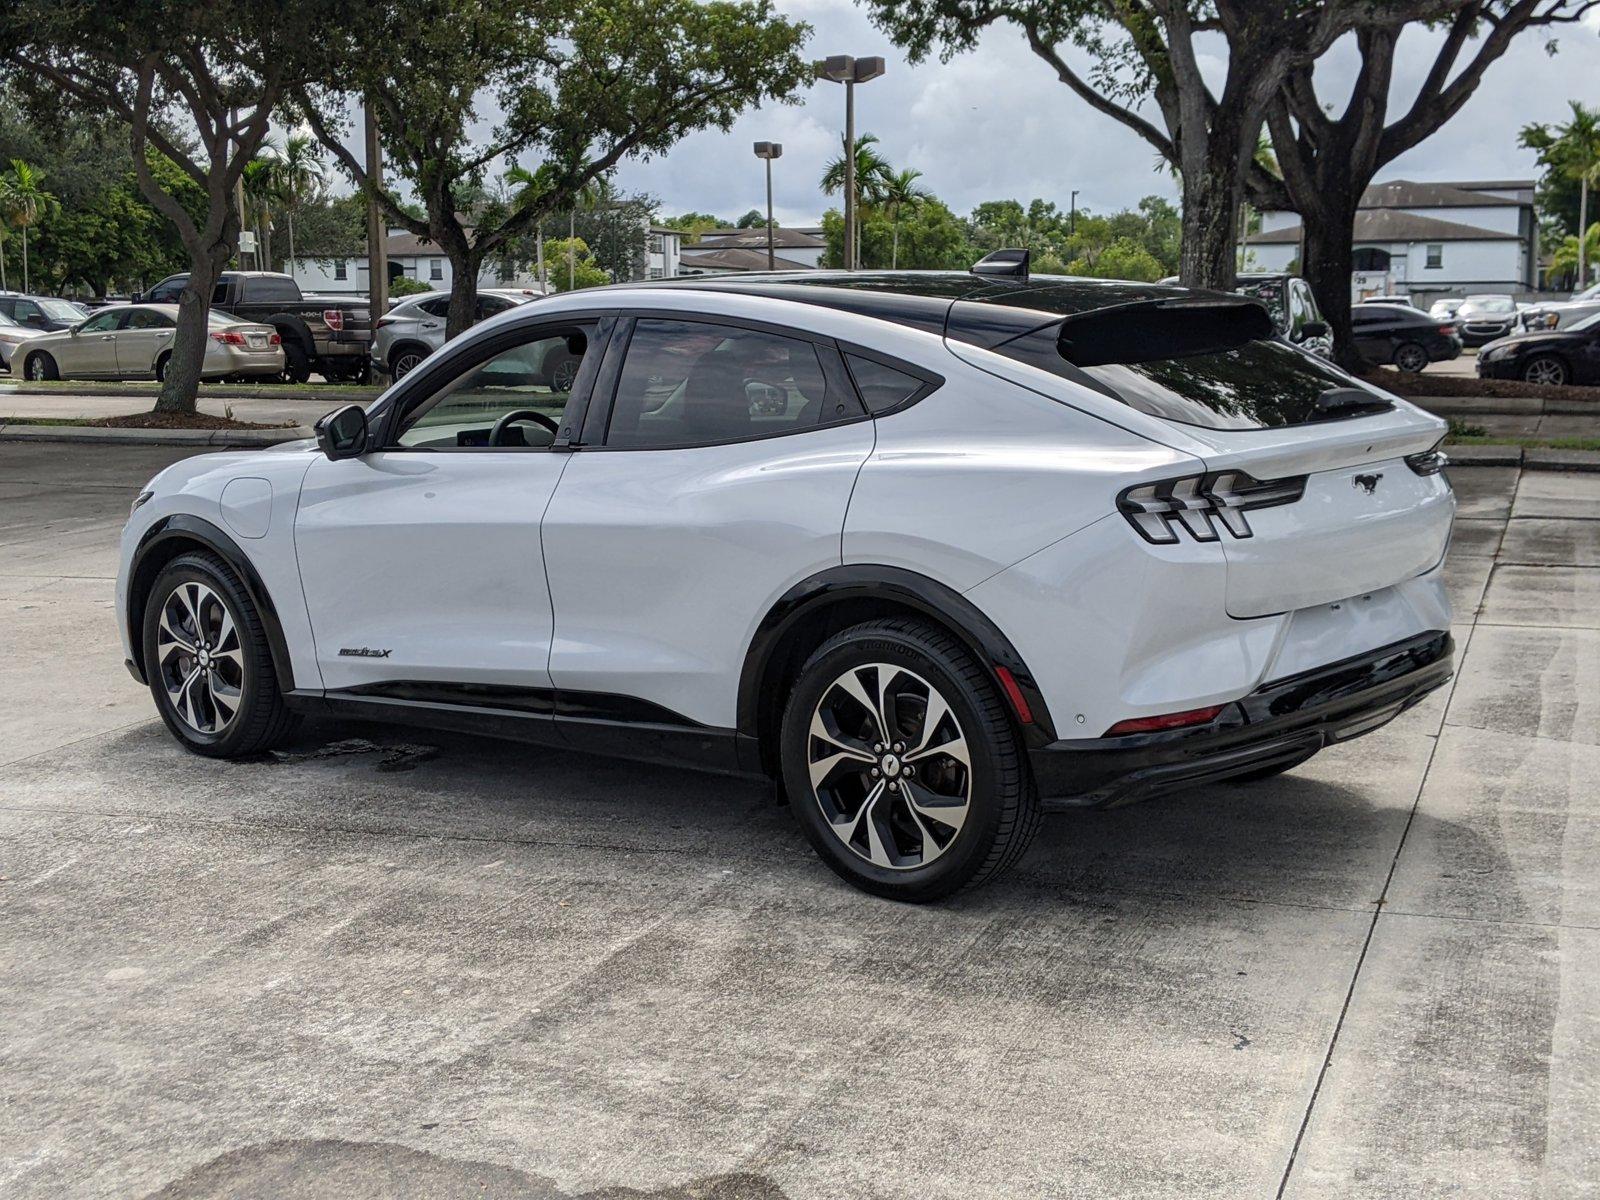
x=330 y=335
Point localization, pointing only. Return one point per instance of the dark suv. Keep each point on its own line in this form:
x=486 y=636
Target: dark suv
x=44 y=313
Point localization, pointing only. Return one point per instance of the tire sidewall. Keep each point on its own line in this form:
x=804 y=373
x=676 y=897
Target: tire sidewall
x=946 y=873
x=194 y=569
x=1550 y=358
x=1410 y=350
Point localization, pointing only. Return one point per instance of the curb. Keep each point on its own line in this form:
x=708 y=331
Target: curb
x=1529 y=459
x=22 y=387
x=1510 y=406
x=200 y=439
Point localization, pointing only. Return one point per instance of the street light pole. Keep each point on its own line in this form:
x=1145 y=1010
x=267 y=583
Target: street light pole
x=842 y=68
x=768 y=151
x=1072 y=220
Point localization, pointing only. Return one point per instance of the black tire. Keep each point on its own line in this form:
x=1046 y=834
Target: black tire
x=1547 y=369
x=1408 y=356
x=161 y=367
x=1002 y=812
x=40 y=367
x=561 y=371
x=405 y=360
x=296 y=364
x=261 y=720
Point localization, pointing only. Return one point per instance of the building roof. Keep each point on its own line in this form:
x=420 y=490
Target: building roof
x=1403 y=193
x=1393 y=225
x=737 y=259
x=757 y=238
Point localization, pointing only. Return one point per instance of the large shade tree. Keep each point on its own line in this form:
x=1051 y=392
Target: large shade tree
x=571 y=87
x=1159 y=51
x=1327 y=154
x=197 y=82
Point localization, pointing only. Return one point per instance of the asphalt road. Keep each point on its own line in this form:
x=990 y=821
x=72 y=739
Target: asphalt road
x=391 y=964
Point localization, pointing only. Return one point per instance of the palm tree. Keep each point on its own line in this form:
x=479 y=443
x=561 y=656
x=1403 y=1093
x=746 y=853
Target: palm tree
x=26 y=204
x=1573 y=149
x=259 y=186
x=1570 y=253
x=5 y=228
x=901 y=192
x=871 y=170
x=299 y=177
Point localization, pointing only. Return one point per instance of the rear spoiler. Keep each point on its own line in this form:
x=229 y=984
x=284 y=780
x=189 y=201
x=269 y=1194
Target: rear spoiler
x=1175 y=327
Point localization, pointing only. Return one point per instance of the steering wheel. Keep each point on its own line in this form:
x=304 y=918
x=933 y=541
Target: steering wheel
x=522 y=414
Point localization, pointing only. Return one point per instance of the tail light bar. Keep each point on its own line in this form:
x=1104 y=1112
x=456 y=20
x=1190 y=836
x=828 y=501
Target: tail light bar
x=333 y=318
x=1203 y=505
x=1430 y=461
x=228 y=338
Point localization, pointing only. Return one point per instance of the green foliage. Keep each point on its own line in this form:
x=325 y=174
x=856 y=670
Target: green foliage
x=753 y=219
x=693 y=224
x=931 y=238
x=404 y=285
x=585 y=273
x=330 y=227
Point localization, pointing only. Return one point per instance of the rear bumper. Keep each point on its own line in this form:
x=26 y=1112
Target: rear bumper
x=1280 y=723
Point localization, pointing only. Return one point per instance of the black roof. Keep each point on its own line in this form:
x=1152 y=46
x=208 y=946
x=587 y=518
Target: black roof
x=983 y=310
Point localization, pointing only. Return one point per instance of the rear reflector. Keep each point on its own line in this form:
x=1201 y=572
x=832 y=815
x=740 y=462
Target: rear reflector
x=1177 y=720
x=333 y=318
x=1019 y=702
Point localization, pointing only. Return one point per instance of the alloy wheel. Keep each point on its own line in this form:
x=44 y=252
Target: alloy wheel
x=1411 y=358
x=36 y=369
x=1545 y=370
x=889 y=766
x=562 y=377
x=406 y=363
x=199 y=658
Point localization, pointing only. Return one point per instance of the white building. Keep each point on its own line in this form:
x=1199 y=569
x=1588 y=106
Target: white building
x=663 y=251
x=1426 y=240
x=409 y=256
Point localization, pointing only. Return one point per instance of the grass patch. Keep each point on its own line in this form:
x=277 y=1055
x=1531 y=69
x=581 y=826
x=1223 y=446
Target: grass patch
x=201 y=421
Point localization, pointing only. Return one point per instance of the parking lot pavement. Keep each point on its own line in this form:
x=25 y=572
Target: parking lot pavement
x=390 y=963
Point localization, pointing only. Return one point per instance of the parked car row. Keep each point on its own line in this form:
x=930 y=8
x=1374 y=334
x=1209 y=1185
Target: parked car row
x=1548 y=356
x=134 y=341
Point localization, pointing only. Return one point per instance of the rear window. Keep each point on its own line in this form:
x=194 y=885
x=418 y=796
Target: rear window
x=265 y=289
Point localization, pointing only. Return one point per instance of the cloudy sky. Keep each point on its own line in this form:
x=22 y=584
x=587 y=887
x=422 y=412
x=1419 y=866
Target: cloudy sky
x=996 y=124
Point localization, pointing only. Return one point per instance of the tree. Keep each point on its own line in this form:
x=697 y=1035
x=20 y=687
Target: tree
x=581 y=269
x=26 y=203
x=901 y=194
x=260 y=198
x=754 y=219
x=1568 y=258
x=218 y=69
x=693 y=224
x=932 y=238
x=1573 y=150
x=298 y=178
x=578 y=87
x=1155 y=49
x=1328 y=155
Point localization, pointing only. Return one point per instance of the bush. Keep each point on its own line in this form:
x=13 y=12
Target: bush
x=407 y=286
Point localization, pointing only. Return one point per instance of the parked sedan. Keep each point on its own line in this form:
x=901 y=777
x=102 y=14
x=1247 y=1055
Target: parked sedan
x=134 y=341
x=1405 y=336
x=43 y=313
x=1563 y=314
x=414 y=328
x=12 y=335
x=1551 y=356
x=1484 y=318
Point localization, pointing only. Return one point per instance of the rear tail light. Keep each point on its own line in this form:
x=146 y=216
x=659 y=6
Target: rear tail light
x=1448 y=330
x=1430 y=461
x=1177 y=720
x=382 y=321
x=333 y=318
x=1203 y=505
x=275 y=340
x=228 y=338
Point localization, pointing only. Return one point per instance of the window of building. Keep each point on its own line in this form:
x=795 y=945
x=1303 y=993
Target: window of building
x=436 y=268
x=340 y=271
x=688 y=383
x=1435 y=256
x=657 y=273
x=657 y=243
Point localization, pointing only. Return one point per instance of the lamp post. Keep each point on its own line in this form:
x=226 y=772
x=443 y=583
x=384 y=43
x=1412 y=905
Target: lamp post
x=1072 y=220
x=842 y=68
x=767 y=151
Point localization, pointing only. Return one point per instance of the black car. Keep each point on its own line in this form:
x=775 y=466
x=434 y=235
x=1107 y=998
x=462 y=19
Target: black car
x=1407 y=337
x=44 y=313
x=1570 y=355
x=1484 y=318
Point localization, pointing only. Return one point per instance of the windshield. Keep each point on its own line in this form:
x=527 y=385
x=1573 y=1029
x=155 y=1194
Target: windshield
x=1592 y=293
x=7 y=323
x=61 y=310
x=1587 y=323
x=1489 y=304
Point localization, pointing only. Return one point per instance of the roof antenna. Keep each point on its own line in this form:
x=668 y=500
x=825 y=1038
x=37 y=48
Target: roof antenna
x=1006 y=264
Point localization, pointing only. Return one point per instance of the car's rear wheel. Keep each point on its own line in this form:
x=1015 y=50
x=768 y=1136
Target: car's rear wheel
x=1546 y=369
x=563 y=372
x=404 y=361
x=40 y=367
x=902 y=765
x=296 y=363
x=208 y=662
x=161 y=367
x=1411 y=357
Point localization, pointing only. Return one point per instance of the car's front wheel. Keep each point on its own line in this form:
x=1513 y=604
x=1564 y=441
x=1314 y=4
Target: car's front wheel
x=41 y=367
x=1411 y=358
x=208 y=662
x=1546 y=369
x=902 y=765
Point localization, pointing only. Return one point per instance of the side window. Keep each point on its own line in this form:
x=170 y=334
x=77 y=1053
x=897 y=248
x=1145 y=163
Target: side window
x=219 y=294
x=527 y=386
x=436 y=308
x=689 y=383
x=145 y=318
x=166 y=292
x=269 y=289
x=489 y=306
x=883 y=387
x=104 y=323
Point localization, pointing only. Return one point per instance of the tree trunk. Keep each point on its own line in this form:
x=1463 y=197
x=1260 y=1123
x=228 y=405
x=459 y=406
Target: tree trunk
x=26 y=289
x=181 y=389
x=464 y=268
x=894 y=254
x=1583 y=243
x=1328 y=260
x=1210 y=200
x=289 y=217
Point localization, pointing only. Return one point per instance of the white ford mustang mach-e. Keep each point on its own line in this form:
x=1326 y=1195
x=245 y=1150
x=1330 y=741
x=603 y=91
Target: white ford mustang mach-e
x=924 y=548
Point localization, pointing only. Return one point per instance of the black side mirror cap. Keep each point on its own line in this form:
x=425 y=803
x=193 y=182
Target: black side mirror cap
x=343 y=432
x=1313 y=329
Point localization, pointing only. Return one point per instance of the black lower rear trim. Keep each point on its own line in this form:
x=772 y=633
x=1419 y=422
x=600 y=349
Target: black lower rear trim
x=1280 y=723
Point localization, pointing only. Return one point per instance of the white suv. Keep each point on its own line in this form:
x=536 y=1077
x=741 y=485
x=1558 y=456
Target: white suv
x=923 y=548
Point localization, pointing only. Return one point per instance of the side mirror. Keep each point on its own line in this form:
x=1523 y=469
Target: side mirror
x=136 y=298
x=1313 y=329
x=343 y=433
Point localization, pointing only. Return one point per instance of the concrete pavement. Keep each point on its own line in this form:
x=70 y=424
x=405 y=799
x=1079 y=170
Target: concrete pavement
x=389 y=963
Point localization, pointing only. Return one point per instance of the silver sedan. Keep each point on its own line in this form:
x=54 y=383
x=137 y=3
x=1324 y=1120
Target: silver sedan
x=134 y=341
x=13 y=335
